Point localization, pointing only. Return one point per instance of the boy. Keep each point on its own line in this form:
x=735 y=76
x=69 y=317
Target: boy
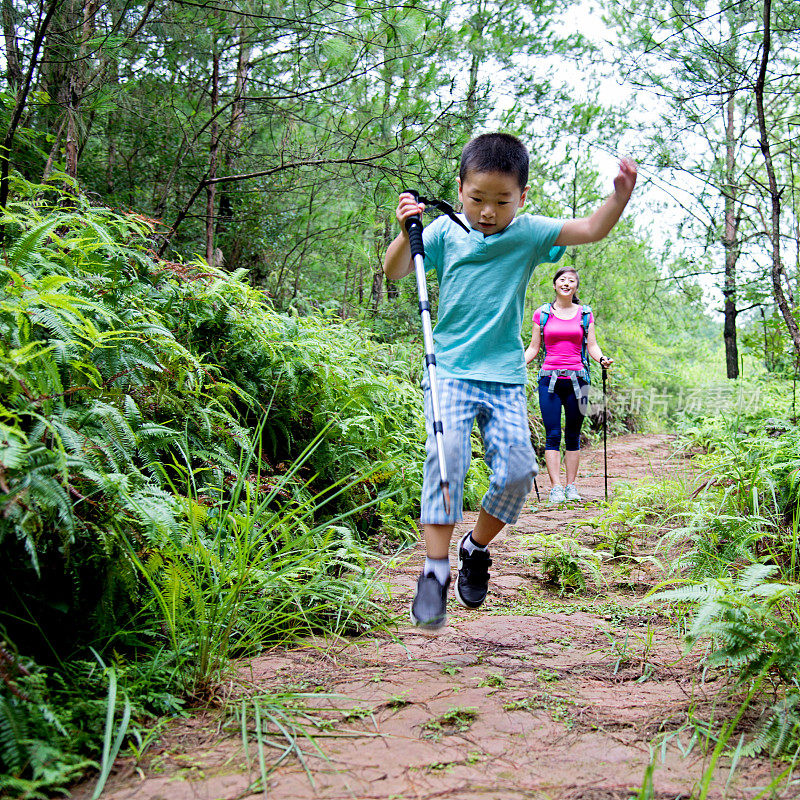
x=480 y=359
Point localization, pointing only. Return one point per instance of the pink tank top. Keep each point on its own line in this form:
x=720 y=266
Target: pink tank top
x=562 y=340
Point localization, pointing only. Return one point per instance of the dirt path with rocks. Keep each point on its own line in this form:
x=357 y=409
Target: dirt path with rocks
x=534 y=696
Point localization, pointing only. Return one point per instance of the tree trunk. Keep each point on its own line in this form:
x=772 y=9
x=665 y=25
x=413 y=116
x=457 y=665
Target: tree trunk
x=13 y=68
x=74 y=89
x=71 y=102
x=232 y=145
x=377 y=288
x=112 y=124
x=774 y=193
x=730 y=243
x=471 y=99
x=211 y=188
x=392 y=292
x=54 y=151
x=766 y=340
x=19 y=106
x=345 y=289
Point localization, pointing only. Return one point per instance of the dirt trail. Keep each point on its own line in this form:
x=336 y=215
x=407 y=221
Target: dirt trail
x=534 y=696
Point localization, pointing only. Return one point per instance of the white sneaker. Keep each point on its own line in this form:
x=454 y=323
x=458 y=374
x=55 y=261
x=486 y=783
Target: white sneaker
x=557 y=495
x=571 y=493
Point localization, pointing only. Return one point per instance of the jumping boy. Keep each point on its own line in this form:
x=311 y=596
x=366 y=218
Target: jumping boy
x=480 y=358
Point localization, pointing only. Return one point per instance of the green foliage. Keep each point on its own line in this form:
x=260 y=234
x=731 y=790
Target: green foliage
x=247 y=575
x=750 y=621
x=767 y=340
x=33 y=733
x=633 y=509
x=565 y=563
x=753 y=626
x=740 y=533
x=457 y=719
x=187 y=476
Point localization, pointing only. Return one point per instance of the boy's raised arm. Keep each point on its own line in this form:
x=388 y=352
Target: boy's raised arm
x=397 y=261
x=597 y=226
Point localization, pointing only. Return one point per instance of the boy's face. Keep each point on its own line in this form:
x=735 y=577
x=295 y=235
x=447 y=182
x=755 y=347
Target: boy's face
x=490 y=200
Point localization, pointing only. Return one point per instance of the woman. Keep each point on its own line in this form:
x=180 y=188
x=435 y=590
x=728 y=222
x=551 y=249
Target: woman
x=568 y=331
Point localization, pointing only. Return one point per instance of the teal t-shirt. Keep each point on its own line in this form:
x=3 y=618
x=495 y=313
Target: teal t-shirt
x=482 y=283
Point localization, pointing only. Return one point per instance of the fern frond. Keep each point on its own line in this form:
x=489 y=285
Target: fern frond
x=21 y=253
x=13 y=734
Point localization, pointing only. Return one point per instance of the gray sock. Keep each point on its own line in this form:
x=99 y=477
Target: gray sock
x=470 y=545
x=440 y=567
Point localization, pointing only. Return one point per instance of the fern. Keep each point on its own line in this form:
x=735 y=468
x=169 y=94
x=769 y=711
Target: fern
x=25 y=251
x=180 y=457
x=13 y=734
x=743 y=619
x=779 y=732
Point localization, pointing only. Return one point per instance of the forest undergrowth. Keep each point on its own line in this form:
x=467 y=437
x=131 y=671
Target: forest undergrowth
x=728 y=558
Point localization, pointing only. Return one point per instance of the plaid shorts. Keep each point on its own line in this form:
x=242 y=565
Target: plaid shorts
x=502 y=415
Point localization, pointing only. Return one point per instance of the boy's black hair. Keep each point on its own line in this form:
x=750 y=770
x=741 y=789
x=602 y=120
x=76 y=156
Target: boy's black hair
x=495 y=152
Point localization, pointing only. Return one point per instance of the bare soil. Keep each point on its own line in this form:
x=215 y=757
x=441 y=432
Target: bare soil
x=536 y=695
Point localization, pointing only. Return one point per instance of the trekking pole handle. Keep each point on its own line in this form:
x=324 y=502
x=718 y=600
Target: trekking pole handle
x=414 y=228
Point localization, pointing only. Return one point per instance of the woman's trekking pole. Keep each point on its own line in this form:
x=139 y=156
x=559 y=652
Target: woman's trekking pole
x=605 y=432
x=414 y=228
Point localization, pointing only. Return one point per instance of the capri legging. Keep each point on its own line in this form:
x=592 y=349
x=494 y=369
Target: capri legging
x=551 y=404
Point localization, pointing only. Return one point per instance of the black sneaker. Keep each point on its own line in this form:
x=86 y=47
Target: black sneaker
x=472 y=584
x=429 y=606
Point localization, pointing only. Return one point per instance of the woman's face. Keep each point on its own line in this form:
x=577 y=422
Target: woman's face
x=566 y=285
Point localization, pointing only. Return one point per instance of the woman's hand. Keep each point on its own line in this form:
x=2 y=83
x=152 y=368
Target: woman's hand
x=605 y=362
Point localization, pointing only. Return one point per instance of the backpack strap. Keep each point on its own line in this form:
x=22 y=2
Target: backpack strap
x=586 y=313
x=544 y=315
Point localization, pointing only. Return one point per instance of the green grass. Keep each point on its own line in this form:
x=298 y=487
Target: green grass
x=455 y=720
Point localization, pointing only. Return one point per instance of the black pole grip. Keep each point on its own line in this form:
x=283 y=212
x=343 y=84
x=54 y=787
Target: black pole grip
x=414 y=228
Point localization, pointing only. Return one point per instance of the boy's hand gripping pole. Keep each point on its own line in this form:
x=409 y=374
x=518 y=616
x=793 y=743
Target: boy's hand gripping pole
x=414 y=228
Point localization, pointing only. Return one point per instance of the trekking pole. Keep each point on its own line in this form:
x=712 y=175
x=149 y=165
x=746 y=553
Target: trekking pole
x=414 y=228
x=605 y=433
x=536 y=485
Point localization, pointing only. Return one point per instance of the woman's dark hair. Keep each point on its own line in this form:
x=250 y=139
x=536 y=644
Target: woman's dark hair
x=496 y=152
x=560 y=272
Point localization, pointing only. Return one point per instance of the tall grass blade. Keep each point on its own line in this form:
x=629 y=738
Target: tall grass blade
x=245 y=737
x=262 y=764
x=725 y=734
x=110 y=751
x=647 y=790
